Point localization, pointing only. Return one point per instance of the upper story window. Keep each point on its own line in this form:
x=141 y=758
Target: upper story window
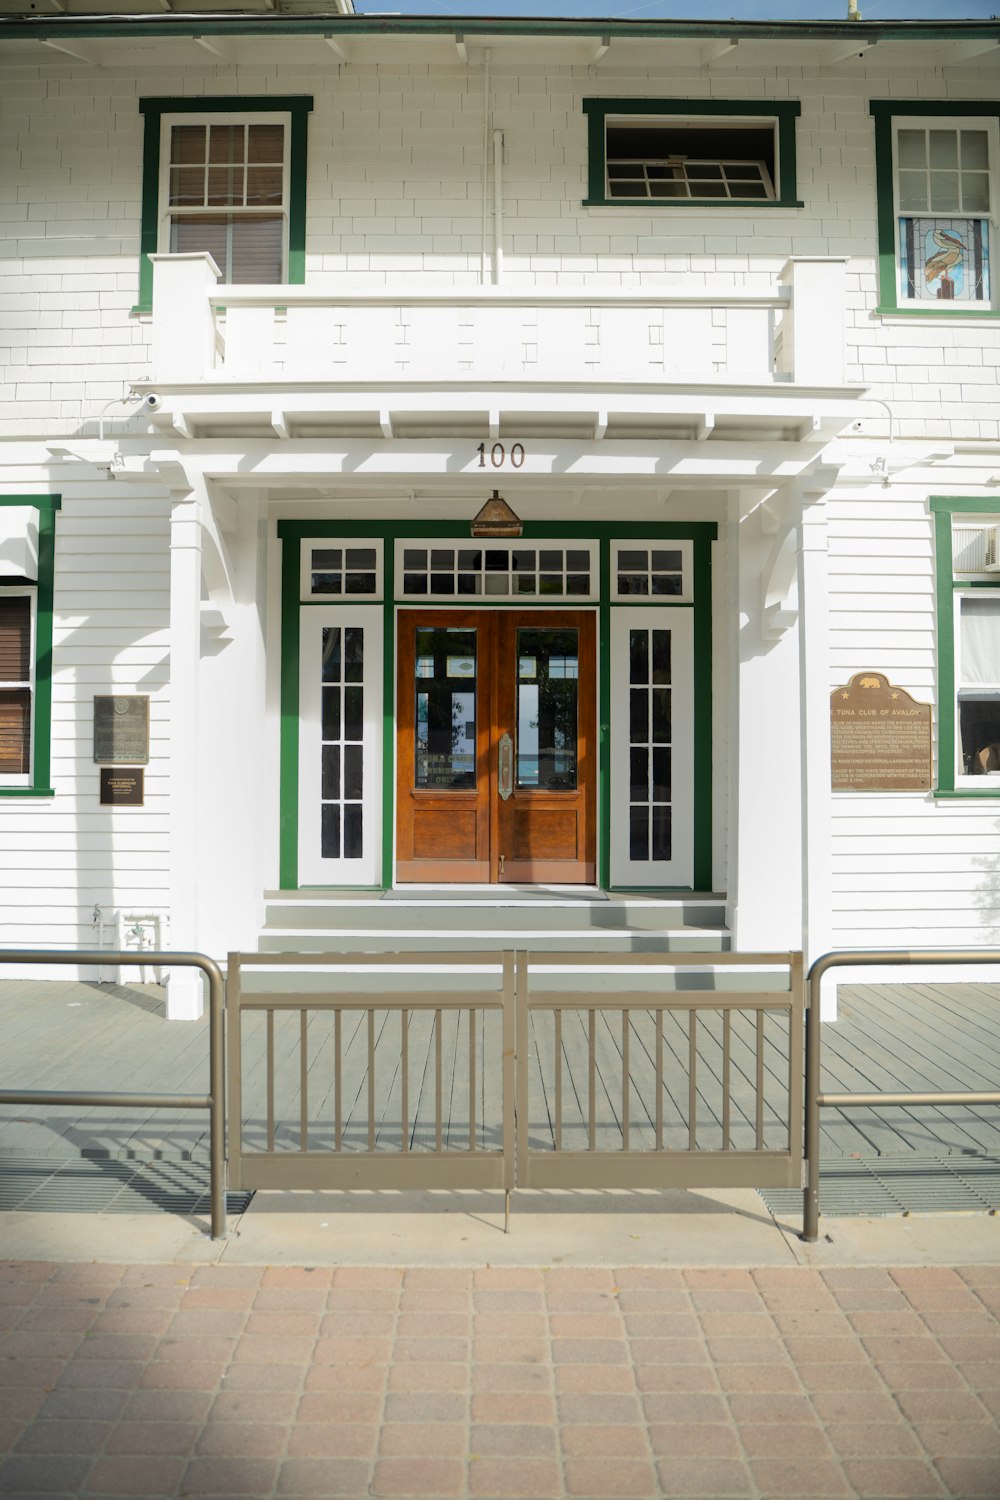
x=226 y=175
x=676 y=152
x=226 y=191
x=937 y=179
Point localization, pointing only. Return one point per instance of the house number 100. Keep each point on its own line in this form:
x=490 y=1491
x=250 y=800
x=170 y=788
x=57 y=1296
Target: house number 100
x=499 y=455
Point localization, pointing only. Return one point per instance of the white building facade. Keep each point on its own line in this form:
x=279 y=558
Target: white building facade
x=715 y=310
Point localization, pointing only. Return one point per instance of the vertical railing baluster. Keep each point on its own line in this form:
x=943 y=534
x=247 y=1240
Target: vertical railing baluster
x=592 y=1079
x=472 y=1079
x=371 y=1079
x=727 y=1018
x=270 y=1080
x=659 y=1080
x=625 y=1080
x=760 y=1080
x=303 y=1080
x=438 y=1131
x=692 y=1080
x=559 y=1080
x=338 y=1093
x=404 y=1104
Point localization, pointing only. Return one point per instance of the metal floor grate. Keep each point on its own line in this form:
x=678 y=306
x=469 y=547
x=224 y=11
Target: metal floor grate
x=89 y=1185
x=883 y=1185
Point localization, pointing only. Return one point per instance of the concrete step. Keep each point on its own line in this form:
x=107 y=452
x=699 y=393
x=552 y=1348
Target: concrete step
x=437 y=937
x=594 y=917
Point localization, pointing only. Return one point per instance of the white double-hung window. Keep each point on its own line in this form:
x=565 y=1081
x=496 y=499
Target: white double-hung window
x=225 y=188
x=938 y=197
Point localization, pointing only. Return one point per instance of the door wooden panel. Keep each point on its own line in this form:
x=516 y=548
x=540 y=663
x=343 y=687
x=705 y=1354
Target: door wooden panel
x=466 y=679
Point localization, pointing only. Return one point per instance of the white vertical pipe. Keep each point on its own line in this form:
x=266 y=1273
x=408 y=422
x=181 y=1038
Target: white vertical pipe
x=486 y=161
x=497 y=207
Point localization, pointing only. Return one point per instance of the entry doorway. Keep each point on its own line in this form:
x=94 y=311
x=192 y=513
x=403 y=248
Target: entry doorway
x=496 y=716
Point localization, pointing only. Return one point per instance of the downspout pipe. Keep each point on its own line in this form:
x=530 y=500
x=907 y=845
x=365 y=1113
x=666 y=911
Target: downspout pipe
x=497 y=207
x=486 y=163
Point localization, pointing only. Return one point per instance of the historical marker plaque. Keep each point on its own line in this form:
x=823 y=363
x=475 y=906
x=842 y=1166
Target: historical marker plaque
x=880 y=737
x=121 y=729
x=122 y=786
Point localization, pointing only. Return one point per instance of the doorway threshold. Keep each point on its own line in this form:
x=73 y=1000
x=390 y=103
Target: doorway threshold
x=497 y=895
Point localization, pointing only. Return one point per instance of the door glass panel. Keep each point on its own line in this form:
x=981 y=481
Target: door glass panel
x=649 y=745
x=342 y=731
x=445 y=688
x=547 y=704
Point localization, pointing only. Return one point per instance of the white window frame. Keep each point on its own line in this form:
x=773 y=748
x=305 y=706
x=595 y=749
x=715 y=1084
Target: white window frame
x=991 y=126
x=989 y=779
x=678 y=871
x=657 y=544
x=499 y=544
x=313 y=868
x=232 y=117
x=326 y=543
x=25 y=778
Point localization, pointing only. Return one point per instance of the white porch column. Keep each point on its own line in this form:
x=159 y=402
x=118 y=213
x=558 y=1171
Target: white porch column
x=187 y=764
x=815 y=685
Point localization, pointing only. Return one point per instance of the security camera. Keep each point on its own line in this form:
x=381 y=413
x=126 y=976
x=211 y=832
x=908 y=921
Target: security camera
x=152 y=402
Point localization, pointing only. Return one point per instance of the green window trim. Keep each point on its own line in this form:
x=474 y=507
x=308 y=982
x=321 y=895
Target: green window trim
x=884 y=112
x=291 y=534
x=296 y=106
x=944 y=509
x=41 y=749
x=783 y=112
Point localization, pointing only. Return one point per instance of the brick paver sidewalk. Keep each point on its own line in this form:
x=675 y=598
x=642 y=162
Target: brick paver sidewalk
x=244 y=1381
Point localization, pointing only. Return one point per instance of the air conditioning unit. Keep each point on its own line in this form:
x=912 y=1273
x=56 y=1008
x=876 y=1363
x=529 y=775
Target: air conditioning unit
x=992 y=538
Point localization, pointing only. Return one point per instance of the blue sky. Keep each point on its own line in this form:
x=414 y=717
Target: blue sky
x=691 y=10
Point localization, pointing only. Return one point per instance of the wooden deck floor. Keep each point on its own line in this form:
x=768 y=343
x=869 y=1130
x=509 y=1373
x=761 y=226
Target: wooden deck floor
x=894 y=1037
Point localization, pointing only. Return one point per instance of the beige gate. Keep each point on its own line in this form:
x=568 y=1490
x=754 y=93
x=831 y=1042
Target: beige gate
x=486 y=1070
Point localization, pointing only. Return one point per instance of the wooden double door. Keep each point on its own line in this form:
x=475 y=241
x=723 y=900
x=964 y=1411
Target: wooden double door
x=497 y=746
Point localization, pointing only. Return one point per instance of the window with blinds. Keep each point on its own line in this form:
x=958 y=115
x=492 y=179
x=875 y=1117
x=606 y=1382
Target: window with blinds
x=227 y=193
x=15 y=685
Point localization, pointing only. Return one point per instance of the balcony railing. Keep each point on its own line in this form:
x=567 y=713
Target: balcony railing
x=405 y=333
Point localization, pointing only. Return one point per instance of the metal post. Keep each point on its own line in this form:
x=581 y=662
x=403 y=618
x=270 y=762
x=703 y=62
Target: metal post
x=810 y=1197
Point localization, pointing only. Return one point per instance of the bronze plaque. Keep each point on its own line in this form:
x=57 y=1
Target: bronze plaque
x=880 y=737
x=121 y=786
x=121 y=729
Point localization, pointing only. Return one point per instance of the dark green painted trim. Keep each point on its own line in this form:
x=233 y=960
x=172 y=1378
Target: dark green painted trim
x=297 y=106
x=292 y=533
x=944 y=508
x=343 y=27
x=604 y=714
x=883 y=112
x=388 y=715
x=964 y=506
x=41 y=750
x=703 y=703
x=288 y=838
x=974 y=583
x=784 y=112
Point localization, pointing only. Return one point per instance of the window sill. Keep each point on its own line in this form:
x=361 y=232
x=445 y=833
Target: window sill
x=949 y=793
x=934 y=315
x=27 y=791
x=752 y=203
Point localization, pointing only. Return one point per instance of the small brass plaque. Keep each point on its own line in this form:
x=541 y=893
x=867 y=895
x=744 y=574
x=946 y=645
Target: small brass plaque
x=880 y=737
x=121 y=729
x=122 y=786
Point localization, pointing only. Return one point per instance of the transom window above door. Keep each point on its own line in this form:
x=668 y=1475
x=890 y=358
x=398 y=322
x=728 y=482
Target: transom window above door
x=449 y=569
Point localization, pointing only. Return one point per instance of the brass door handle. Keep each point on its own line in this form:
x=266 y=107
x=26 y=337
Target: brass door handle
x=505 y=766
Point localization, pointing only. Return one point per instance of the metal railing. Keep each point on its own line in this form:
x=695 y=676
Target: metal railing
x=644 y=1086
x=213 y=1101
x=817 y=1099
x=372 y=1100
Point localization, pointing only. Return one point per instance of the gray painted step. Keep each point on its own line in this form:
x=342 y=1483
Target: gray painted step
x=437 y=937
x=596 y=918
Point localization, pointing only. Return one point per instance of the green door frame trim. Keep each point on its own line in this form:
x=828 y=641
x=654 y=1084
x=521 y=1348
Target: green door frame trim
x=292 y=533
x=784 y=111
x=944 y=508
x=41 y=749
x=297 y=106
x=883 y=112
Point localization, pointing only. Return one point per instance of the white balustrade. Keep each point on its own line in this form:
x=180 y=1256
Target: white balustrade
x=202 y=331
